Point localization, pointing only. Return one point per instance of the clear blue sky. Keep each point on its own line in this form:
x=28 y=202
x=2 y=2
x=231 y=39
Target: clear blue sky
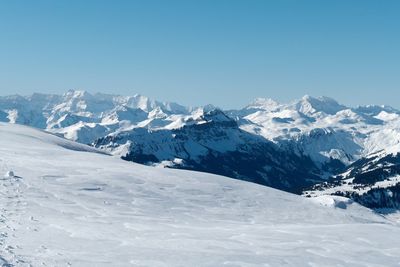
x=198 y=52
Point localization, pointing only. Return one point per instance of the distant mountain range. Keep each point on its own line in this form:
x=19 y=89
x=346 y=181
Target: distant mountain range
x=311 y=146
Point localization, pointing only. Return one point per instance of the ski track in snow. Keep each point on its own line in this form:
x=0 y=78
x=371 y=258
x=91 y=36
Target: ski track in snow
x=74 y=208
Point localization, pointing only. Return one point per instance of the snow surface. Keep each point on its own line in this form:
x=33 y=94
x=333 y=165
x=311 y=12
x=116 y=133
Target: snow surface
x=71 y=205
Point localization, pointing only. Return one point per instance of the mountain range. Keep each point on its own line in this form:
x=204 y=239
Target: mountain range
x=312 y=146
x=69 y=204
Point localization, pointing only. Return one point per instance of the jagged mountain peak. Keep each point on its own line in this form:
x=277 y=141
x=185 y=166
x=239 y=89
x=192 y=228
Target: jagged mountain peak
x=263 y=103
x=216 y=115
x=72 y=93
x=311 y=105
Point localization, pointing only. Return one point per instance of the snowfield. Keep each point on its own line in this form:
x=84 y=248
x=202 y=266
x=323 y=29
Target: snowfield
x=289 y=146
x=67 y=204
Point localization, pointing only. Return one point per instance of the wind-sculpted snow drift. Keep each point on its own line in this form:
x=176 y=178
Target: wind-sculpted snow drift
x=68 y=204
x=293 y=147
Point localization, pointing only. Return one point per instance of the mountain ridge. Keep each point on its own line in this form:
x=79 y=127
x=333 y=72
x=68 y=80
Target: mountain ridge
x=316 y=137
x=68 y=204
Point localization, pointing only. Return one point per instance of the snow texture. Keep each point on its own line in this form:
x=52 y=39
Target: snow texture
x=71 y=205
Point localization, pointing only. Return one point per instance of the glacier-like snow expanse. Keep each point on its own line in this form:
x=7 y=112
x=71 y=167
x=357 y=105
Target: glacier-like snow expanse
x=67 y=204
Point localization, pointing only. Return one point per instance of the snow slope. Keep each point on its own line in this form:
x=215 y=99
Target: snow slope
x=214 y=143
x=289 y=146
x=69 y=205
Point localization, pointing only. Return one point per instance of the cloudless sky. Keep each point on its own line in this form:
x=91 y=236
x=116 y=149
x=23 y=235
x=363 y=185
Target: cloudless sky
x=224 y=52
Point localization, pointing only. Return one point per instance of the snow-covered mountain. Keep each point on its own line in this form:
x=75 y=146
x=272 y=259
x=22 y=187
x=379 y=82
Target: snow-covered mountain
x=68 y=204
x=373 y=181
x=322 y=128
x=214 y=143
x=287 y=146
